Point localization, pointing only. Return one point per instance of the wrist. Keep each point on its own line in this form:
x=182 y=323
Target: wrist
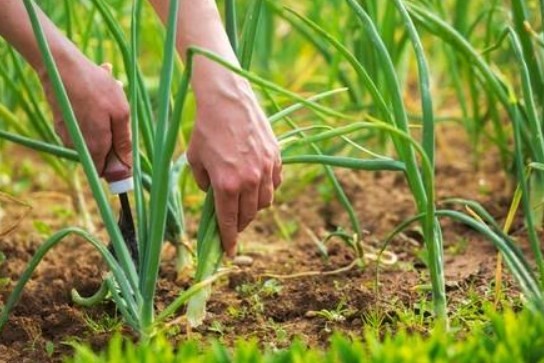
x=67 y=59
x=214 y=82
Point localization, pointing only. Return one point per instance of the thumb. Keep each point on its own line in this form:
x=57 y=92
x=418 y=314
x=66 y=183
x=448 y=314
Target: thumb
x=115 y=170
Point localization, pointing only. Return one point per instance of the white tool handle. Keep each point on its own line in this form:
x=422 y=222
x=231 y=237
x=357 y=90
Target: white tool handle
x=122 y=186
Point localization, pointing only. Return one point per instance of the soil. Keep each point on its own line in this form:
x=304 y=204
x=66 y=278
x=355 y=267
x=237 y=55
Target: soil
x=248 y=304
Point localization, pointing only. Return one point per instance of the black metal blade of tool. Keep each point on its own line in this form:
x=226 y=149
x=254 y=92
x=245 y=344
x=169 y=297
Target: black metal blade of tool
x=126 y=225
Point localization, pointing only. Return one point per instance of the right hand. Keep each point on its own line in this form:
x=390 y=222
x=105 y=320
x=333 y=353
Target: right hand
x=102 y=111
x=233 y=150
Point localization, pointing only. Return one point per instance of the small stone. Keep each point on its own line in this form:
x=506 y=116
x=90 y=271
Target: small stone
x=310 y=314
x=243 y=261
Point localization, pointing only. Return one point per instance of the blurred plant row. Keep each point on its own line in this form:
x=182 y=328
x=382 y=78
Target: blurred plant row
x=508 y=338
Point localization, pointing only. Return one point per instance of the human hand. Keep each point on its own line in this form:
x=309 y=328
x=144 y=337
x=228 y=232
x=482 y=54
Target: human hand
x=233 y=150
x=102 y=111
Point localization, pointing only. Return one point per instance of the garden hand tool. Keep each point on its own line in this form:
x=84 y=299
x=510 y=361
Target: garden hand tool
x=121 y=186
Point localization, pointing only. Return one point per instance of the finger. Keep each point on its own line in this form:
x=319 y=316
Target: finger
x=249 y=202
x=226 y=204
x=201 y=177
x=276 y=173
x=122 y=138
x=99 y=153
x=266 y=190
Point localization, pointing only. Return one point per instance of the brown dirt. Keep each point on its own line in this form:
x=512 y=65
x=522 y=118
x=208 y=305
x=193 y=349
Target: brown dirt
x=240 y=306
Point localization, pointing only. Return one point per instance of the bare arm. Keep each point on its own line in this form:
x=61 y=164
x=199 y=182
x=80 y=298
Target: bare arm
x=199 y=24
x=99 y=103
x=17 y=30
x=232 y=147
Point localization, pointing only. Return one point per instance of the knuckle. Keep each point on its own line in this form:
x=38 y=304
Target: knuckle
x=124 y=144
x=229 y=186
x=272 y=159
x=249 y=219
x=124 y=112
x=248 y=214
x=266 y=203
x=252 y=178
x=271 y=154
x=268 y=165
x=251 y=216
x=121 y=115
x=228 y=220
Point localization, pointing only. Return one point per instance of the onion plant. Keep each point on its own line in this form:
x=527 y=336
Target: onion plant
x=522 y=111
x=133 y=285
x=492 y=30
x=389 y=105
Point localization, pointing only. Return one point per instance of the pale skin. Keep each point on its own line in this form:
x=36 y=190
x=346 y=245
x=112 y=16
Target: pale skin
x=232 y=149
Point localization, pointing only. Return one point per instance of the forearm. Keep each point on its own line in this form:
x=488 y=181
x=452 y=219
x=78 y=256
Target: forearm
x=232 y=147
x=16 y=29
x=200 y=24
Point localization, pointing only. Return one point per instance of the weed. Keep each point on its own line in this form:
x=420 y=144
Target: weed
x=103 y=324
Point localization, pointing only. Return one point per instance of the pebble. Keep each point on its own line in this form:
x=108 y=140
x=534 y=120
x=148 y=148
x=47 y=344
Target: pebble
x=243 y=261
